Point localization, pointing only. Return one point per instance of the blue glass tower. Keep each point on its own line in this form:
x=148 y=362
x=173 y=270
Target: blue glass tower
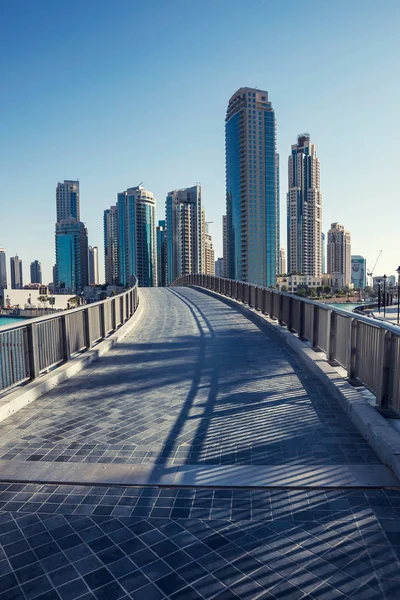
x=252 y=188
x=136 y=235
x=71 y=256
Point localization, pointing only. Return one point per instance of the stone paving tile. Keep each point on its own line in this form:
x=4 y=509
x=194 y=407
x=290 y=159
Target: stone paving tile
x=306 y=544
x=195 y=383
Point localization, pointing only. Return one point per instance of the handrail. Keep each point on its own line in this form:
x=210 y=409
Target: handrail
x=368 y=349
x=33 y=347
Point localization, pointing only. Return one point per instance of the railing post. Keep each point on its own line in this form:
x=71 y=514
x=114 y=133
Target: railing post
x=102 y=322
x=65 y=337
x=384 y=391
x=88 y=341
x=113 y=315
x=290 y=319
x=352 y=352
x=315 y=329
x=332 y=334
x=302 y=320
x=264 y=301
x=33 y=350
x=280 y=309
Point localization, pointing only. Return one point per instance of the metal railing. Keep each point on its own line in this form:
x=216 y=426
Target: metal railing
x=37 y=345
x=369 y=350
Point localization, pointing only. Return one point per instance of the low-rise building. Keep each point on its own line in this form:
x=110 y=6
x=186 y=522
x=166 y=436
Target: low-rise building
x=291 y=283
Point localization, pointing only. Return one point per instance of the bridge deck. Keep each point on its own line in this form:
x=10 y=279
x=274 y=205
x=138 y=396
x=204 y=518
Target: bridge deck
x=196 y=395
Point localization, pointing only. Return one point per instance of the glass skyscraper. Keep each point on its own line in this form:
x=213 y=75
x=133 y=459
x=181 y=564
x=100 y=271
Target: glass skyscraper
x=17 y=282
x=36 y=272
x=252 y=188
x=71 y=269
x=71 y=256
x=136 y=235
x=111 y=246
x=161 y=253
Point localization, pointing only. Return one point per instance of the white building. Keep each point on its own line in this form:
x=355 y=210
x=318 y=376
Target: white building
x=93 y=265
x=291 y=283
x=282 y=262
x=304 y=210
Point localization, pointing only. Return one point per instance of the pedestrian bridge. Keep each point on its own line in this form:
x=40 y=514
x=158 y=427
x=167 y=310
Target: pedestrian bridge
x=200 y=457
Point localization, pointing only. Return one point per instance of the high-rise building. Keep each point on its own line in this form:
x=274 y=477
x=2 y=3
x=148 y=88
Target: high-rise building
x=137 y=244
x=358 y=271
x=219 y=267
x=323 y=242
x=183 y=220
x=17 y=282
x=36 y=272
x=208 y=249
x=67 y=195
x=304 y=210
x=111 y=246
x=161 y=254
x=252 y=188
x=71 y=256
x=224 y=248
x=282 y=262
x=93 y=252
x=339 y=252
x=3 y=269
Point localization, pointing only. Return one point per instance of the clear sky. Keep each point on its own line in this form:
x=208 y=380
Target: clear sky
x=118 y=93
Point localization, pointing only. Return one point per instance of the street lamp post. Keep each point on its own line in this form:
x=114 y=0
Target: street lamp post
x=398 y=295
x=379 y=296
x=384 y=296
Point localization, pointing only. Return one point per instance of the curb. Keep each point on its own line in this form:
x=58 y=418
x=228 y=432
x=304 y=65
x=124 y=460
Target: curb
x=373 y=427
x=24 y=395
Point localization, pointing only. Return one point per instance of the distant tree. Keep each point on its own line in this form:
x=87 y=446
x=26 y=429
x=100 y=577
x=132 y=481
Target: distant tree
x=43 y=299
x=73 y=301
x=319 y=289
x=327 y=289
x=102 y=296
x=313 y=293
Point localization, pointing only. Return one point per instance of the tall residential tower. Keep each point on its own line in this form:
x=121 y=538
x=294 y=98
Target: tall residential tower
x=183 y=219
x=36 y=272
x=304 y=210
x=252 y=188
x=339 y=253
x=93 y=265
x=111 y=246
x=136 y=235
x=17 y=282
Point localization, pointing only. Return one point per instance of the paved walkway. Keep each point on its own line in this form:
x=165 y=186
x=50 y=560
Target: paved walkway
x=196 y=385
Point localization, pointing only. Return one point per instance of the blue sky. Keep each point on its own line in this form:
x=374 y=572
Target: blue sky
x=119 y=93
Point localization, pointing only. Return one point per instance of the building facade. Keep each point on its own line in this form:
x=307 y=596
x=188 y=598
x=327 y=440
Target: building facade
x=161 y=254
x=339 y=253
x=323 y=242
x=36 y=272
x=3 y=269
x=304 y=209
x=136 y=236
x=224 y=247
x=68 y=203
x=291 y=283
x=110 y=227
x=252 y=188
x=17 y=281
x=358 y=271
x=183 y=219
x=282 y=262
x=93 y=253
x=71 y=256
x=219 y=267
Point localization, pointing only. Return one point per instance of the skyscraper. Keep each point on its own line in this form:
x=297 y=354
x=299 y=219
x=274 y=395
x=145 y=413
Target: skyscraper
x=282 y=262
x=137 y=244
x=224 y=248
x=252 y=188
x=71 y=256
x=184 y=232
x=3 y=269
x=111 y=246
x=71 y=241
x=93 y=253
x=323 y=254
x=208 y=249
x=67 y=195
x=161 y=254
x=17 y=282
x=36 y=272
x=219 y=267
x=339 y=252
x=304 y=210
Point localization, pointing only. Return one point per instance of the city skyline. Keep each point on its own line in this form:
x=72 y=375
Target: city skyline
x=95 y=127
